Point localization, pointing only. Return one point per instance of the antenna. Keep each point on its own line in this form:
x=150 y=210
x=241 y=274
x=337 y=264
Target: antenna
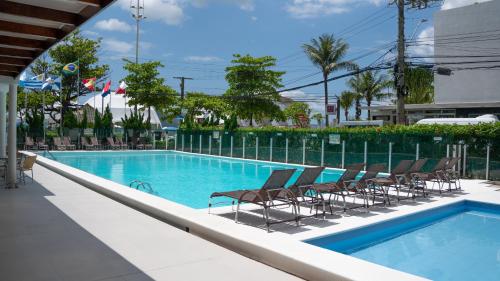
x=137 y=9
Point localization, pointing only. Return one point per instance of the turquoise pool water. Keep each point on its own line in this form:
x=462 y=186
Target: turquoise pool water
x=187 y=179
x=456 y=242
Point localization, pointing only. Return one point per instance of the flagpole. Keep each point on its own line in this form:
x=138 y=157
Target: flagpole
x=61 y=113
x=78 y=82
x=25 y=111
x=43 y=113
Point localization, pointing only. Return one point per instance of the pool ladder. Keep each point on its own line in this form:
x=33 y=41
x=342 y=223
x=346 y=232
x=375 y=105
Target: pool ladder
x=140 y=185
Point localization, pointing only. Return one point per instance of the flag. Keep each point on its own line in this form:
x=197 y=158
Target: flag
x=70 y=69
x=39 y=77
x=51 y=84
x=89 y=83
x=106 y=90
x=35 y=82
x=122 y=88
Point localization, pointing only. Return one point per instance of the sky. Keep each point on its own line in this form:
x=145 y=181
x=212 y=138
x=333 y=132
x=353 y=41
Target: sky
x=197 y=38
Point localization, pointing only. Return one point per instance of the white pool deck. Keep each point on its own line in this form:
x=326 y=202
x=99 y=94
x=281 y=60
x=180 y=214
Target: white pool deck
x=282 y=247
x=55 y=229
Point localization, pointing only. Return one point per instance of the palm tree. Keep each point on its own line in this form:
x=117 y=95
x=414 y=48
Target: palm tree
x=372 y=84
x=327 y=53
x=318 y=117
x=419 y=82
x=356 y=88
x=346 y=101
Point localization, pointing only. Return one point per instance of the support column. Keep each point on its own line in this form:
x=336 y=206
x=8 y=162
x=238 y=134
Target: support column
x=3 y=123
x=12 y=140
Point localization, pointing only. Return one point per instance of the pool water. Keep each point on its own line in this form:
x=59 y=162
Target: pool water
x=187 y=179
x=457 y=242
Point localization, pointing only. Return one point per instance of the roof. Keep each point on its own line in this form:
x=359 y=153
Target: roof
x=437 y=106
x=30 y=27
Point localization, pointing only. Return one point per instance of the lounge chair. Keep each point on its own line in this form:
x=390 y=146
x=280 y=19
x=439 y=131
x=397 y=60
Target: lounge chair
x=112 y=143
x=410 y=182
x=136 y=144
x=379 y=167
x=355 y=166
x=30 y=144
x=26 y=164
x=67 y=143
x=451 y=176
x=435 y=175
x=361 y=187
x=273 y=189
x=41 y=145
x=120 y=142
x=95 y=142
x=86 y=145
x=58 y=143
x=394 y=180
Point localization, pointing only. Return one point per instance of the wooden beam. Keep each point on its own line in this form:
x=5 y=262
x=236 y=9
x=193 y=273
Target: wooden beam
x=18 y=53
x=23 y=42
x=31 y=29
x=25 y=10
x=96 y=3
x=14 y=61
x=10 y=68
x=7 y=73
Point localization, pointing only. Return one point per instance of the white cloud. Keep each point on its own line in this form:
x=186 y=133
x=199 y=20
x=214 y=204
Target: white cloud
x=451 y=4
x=424 y=44
x=90 y=33
x=168 y=11
x=113 y=25
x=304 y=9
x=117 y=46
x=246 y=5
x=317 y=106
x=253 y=18
x=202 y=58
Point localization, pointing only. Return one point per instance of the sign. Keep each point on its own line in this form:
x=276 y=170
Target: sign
x=88 y=132
x=314 y=135
x=334 y=139
x=279 y=134
x=215 y=135
x=437 y=139
x=331 y=109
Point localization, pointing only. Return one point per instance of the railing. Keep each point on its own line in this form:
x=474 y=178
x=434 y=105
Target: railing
x=478 y=160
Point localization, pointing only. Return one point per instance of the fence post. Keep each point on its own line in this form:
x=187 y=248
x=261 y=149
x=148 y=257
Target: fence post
x=460 y=156
x=447 y=151
x=220 y=144
x=465 y=161
x=190 y=143
x=271 y=149
x=231 y=153
x=343 y=153
x=322 y=152
x=286 y=150
x=365 y=156
x=182 y=136
x=256 y=148
x=166 y=142
x=201 y=140
x=390 y=158
x=487 y=161
x=210 y=145
x=417 y=153
x=154 y=141
x=175 y=142
x=244 y=143
x=303 y=151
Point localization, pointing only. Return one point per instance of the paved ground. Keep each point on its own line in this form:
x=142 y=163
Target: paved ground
x=54 y=229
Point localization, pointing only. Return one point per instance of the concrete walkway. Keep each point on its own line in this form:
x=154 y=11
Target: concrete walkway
x=54 y=229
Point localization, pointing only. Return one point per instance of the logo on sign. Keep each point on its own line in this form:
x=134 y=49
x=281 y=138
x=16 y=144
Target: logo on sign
x=331 y=109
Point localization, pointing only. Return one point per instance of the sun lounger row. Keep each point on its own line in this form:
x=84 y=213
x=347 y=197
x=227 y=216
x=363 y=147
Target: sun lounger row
x=370 y=185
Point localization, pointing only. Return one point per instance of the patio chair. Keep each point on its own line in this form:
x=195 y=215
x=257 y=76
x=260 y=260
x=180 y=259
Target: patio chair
x=67 y=143
x=146 y=144
x=26 y=164
x=95 y=142
x=272 y=189
x=435 y=175
x=29 y=144
x=120 y=142
x=136 y=144
x=450 y=175
x=410 y=182
x=41 y=145
x=394 y=180
x=361 y=187
x=112 y=143
x=355 y=166
x=378 y=167
x=86 y=145
x=58 y=143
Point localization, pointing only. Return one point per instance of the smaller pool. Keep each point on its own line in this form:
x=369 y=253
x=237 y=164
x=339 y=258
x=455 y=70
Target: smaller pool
x=460 y=241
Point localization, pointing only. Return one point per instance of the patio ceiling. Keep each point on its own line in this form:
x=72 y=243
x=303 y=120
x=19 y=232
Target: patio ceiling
x=30 y=27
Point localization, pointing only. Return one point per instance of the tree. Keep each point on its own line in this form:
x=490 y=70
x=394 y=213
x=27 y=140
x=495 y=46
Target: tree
x=78 y=49
x=197 y=103
x=419 y=85
x=318 y=117
x=346 y=101
x=372 y=85
x=400 y=65
x=145 y=87
x=298 y=112
x=327 y=53
x=252 y=92
x=355 y=85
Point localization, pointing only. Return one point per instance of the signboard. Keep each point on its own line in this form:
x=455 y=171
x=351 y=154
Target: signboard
x=334 y=139
x=215 y=135
x=279 y=134
x=88 y=132
x=331 y=109
x=438 y=139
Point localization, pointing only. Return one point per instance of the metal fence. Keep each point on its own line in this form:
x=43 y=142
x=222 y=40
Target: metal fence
x=480 y=159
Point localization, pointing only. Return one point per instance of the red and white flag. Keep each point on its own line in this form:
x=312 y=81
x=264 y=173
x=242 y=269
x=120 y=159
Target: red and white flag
x=122 y=88
x=107 y=89
x=89 y=83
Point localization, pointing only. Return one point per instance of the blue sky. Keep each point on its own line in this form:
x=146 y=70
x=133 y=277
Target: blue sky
x=197 y=38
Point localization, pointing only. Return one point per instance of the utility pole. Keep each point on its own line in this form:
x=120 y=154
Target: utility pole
x=400 y=65
x=182 y=78
x=137 y=9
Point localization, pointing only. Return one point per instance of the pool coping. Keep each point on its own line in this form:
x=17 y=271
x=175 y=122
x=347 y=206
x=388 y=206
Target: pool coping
x=278 y=250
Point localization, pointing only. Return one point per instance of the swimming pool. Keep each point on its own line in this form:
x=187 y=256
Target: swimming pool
x=188 y=179
x=460 y=241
